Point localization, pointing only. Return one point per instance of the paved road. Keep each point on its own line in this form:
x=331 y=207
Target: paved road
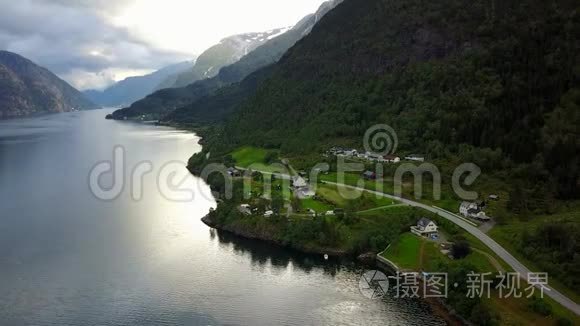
x=494 y=246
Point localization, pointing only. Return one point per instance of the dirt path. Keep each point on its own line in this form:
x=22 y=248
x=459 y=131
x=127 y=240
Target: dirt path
x=492 y=260
x=382 y=207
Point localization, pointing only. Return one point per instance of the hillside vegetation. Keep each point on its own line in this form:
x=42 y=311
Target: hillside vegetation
x=493 y=82
x=496 y=83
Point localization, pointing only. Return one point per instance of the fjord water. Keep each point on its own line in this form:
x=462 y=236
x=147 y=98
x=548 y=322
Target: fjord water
x=69 y=258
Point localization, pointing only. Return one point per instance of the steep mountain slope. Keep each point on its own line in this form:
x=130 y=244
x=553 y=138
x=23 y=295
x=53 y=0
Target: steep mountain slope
x=228 y=51
x=165 y=101
x=476 y=80
x=26 y=88
x=132 y=89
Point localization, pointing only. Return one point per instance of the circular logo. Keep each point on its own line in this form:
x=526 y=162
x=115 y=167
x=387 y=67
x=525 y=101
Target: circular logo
x=381 y=140
x=373 y=284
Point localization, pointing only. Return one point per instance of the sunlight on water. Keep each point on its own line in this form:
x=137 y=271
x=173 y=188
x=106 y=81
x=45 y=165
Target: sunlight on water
x=69 y=258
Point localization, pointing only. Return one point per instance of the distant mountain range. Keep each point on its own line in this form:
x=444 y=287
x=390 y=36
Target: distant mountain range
x=272 y=48
x=27 y=89
x=132 y=89
x=228 y=51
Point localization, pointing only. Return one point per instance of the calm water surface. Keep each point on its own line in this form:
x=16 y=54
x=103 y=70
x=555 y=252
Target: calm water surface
x=68 y=258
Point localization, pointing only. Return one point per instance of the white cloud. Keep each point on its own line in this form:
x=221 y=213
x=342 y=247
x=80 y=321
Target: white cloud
x=92 y=43
x=193 y=26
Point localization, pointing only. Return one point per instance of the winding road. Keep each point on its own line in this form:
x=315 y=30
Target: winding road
x=518 y=267
x=470 y=227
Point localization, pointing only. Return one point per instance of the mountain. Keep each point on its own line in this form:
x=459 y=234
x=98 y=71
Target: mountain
x=453 y=79
x=26 y=89
x=165 y=101
x=132 y=89
x=494 y=83
x=226 y=52
x=208 y=109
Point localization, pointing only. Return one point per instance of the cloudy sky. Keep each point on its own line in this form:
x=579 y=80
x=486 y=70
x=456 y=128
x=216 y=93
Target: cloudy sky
x=92 y=43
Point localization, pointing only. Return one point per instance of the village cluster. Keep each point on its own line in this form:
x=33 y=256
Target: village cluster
x=371 y=157
x=301 y=189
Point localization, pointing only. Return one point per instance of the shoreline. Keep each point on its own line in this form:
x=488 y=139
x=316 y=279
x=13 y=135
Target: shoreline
x=331 y=252
x=438 y=308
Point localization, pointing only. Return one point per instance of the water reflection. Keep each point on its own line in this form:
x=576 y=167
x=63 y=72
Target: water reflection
x=67 y=258
x=265 y=255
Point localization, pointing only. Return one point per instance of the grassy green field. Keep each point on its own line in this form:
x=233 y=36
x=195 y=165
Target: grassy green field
x=405 y=252
x=255 y=158
x=447 y=201
x=246 y=156
x=317 y=206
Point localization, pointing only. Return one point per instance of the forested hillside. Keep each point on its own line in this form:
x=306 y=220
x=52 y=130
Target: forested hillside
x=499 y=79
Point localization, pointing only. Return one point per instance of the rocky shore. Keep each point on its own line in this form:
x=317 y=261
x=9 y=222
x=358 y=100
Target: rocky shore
x=263 y=236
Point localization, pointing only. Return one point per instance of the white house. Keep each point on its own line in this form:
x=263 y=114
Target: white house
x=350 y=152
x=304 y=192
x=362 y=155
x=392 y=159
x=472 y=210
x=245 y=209
x=268 y=213
x=299 y=182
x=415 y=157
x=233 y=172
x=425 y=228
x=374 y=157
x=467 y=208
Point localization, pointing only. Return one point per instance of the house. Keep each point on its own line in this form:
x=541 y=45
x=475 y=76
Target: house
x=370 y=175
x=494 y=197
x=233 y=172
x=473 y=210
x=245 y=209
x=299 y=182
x=392 y=159
x=425 y=228
x=304 y=192
x=415 y=157
x=467 y=209
x=268 y=213
x=350 y=152
x=374 y=157
x=362 y=156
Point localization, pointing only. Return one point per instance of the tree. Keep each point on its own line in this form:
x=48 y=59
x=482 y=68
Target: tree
x=277 y=203
x=460 y=248
x=296 y=204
